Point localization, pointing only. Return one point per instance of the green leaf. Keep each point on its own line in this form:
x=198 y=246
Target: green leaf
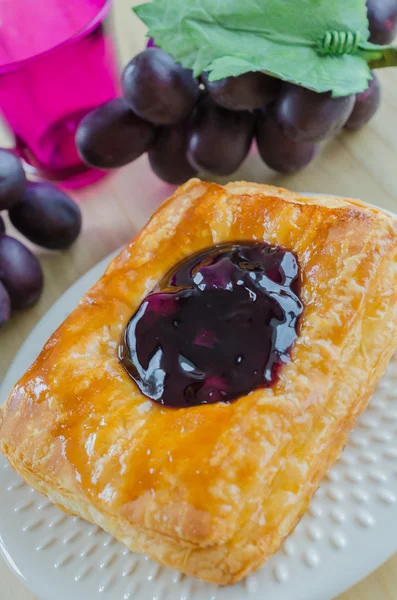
x=285 y=38
x=348 y=74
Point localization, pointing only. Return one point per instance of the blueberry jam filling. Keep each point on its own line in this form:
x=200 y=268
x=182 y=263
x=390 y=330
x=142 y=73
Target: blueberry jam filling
x=218 y=326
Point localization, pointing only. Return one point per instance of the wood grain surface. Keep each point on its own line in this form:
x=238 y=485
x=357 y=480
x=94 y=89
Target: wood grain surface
x=363 y=165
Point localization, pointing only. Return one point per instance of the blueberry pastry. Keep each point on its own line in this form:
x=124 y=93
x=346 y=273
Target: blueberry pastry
x=194 y=400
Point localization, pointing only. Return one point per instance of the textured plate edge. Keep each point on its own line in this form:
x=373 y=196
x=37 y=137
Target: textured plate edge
x=88 y=280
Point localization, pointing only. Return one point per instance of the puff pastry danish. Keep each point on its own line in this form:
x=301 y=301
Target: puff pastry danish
x=212 y=489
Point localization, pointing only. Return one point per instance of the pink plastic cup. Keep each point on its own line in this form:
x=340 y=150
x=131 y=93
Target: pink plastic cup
x=57 y=62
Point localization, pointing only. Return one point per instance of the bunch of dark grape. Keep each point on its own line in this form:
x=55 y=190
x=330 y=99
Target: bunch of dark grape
x=188 y=125
x=45 y=216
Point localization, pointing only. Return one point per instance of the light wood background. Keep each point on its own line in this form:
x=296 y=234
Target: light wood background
x=360 y=165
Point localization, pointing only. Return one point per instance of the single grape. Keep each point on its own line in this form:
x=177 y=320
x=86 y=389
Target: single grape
x=245 y=92
x=5 y=305
x=307 y=116
x=151 y=43
x=12 y=180
x=2 y=226
x=168 y=154
x=159 y=89
x=112 y=136
x=47 y=216
x=366 y=105
x=20 y=273
x=277 y=150
x=382 y=17
x=219 y=139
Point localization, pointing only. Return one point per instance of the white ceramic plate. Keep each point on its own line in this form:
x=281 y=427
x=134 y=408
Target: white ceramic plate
x=348 y=531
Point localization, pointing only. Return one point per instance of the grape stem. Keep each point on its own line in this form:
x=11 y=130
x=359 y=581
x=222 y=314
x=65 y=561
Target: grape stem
x=379 y=57
x=336 y=43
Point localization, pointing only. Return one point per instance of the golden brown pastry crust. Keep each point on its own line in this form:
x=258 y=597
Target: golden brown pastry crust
x=211 y=490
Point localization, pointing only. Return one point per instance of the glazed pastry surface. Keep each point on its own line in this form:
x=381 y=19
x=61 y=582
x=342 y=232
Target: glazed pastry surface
x=211 y=490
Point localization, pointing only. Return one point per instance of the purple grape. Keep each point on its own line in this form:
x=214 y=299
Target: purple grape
x=245 y=92
x=12 y=180
x=5 y=305
x=151 y=43
x=307 y=116
x=277 y=150
x=2 y=226
x=20 y=273
x=47 y=216
x=366 y=105
x=168 y=154
x=382 y=17
x=219 y=139
x=112 y=136
x=158 y=89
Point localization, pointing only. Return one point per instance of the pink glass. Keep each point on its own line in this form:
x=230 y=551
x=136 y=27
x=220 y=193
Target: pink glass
x=57 y=62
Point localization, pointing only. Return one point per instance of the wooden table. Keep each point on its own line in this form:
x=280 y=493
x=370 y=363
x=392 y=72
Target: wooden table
x=363 y=165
